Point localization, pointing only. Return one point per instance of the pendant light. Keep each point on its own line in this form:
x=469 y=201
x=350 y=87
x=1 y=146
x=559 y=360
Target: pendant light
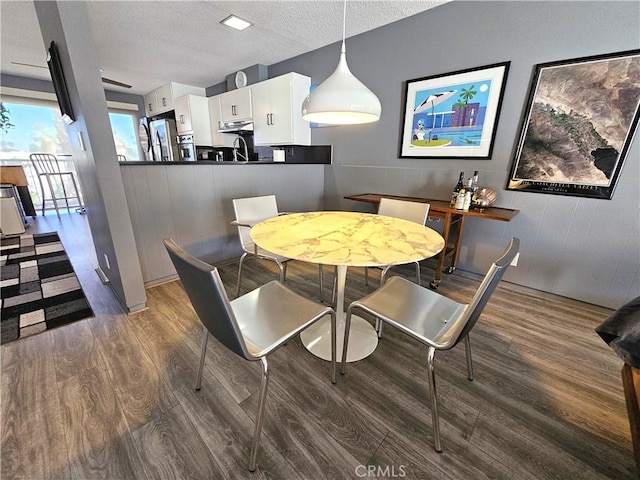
x=341 y=99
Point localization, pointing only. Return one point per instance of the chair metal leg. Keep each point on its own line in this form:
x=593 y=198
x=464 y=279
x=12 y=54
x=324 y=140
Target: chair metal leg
x=434 y=398
x=333 y=347
x=333 y=288
x=64 y=192
x=334 y=292
x=53 y=196
x=383 y=279
x=345 y=346
x=44 y=196
x=366 y=276
x=203 y=352
x=260 y=416
x=242 y=258
x=77 y=192
x=418 y=273
x=321 y=282
x=467 y=348
x=283 y=270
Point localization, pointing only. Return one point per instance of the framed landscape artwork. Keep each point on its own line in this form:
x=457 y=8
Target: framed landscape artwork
x=579 y=122
x=453 y=115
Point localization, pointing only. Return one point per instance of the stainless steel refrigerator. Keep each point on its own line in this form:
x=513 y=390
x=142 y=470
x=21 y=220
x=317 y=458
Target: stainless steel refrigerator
x=144 y=135
x=164 y=140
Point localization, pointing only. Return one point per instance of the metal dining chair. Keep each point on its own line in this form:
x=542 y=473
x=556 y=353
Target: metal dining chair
x=46 y=166
x=431 y=318
x=412 y=211
x=250 y=211
x=252 y=326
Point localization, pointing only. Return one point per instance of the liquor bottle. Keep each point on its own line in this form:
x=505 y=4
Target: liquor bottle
x=468 y=185
x=460 y=199
x=474 y=188
x=456 y=190
x=466 y=203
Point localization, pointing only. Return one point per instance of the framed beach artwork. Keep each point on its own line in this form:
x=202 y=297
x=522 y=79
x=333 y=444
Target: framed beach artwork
x=578 y=125
x=453 y=115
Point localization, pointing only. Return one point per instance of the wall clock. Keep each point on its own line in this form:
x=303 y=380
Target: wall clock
x=241 y=79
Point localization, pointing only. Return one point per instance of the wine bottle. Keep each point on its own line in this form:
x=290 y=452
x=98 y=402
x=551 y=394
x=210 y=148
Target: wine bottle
x=456 y=190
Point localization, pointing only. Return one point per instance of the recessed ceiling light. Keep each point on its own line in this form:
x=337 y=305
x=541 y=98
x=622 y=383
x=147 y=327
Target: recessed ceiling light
x=235 y=22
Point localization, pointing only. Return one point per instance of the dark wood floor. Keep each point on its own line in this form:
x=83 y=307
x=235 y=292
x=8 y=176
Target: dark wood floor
x=112 y=396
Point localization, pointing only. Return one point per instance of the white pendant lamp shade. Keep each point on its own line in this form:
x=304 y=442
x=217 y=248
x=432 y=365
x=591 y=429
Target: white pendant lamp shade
x=341 y=99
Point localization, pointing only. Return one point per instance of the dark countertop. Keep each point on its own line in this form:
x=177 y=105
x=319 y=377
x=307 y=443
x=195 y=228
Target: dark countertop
x=212 y=162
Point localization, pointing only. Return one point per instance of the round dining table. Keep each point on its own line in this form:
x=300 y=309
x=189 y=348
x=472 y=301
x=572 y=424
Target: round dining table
x=345 y=239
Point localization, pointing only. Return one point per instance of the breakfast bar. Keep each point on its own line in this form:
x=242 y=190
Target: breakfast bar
x=453 y=224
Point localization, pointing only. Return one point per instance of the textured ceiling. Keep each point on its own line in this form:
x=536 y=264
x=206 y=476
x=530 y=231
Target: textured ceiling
x=146 y=44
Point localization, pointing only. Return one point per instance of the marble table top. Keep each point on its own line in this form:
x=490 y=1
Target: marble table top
x=347 y=238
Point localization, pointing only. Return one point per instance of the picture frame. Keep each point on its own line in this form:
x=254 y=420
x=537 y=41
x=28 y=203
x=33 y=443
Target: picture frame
x=453 y=115
x=578 y=124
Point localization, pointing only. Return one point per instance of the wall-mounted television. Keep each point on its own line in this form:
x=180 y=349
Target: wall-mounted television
x=59 y=84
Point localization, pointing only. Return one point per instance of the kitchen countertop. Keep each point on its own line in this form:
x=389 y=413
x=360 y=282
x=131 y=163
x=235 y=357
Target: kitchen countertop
x=212 y=162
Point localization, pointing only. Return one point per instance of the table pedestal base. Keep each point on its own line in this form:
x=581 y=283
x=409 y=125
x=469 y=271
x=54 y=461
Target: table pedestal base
x=363 y=339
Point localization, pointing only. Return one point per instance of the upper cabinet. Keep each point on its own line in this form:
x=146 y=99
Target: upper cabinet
x=218 y=139
x=192 y=117
x=277 y=116
x=162 y=98
x=274 y=106
x=235 y=105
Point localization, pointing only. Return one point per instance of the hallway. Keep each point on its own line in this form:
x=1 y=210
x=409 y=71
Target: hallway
x=73 y=229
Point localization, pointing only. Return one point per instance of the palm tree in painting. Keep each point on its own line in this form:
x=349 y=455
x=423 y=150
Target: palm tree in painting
x=468 y=94
x=459 y=104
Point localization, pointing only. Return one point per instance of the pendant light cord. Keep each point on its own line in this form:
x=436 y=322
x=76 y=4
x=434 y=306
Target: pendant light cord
x=344 y=27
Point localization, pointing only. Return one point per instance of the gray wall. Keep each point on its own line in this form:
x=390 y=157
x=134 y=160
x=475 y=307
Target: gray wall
x=98 y=169
x=580 y=248
x=192 y=203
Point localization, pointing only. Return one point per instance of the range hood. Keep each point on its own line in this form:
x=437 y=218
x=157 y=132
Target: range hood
x=241 y=126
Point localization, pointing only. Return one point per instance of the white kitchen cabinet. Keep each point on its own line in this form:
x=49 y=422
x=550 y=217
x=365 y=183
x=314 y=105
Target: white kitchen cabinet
x=218 y=139
x=236 y=105
x=192 y=117
x=277 y=116
x=161 y=99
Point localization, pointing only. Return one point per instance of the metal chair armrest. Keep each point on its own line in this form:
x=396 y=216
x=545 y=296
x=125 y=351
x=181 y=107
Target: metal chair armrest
x=240 y=224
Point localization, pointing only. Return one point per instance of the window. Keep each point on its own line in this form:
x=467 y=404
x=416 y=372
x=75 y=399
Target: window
x=38 y=127
x=123 y=125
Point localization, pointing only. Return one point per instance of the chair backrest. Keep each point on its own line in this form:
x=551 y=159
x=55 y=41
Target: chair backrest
x=460 y=327
x=413 y=211
x=44 y=163
x=253 y=210
x=122 y=158
x=206 y=291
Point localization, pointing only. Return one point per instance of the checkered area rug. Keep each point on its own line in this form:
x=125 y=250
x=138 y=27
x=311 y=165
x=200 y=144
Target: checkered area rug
x=38 y=286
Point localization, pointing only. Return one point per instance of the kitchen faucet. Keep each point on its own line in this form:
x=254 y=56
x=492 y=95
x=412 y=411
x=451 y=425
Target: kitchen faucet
x=241 y=140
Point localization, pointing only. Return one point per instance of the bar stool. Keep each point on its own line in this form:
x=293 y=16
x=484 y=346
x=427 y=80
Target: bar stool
x=46 y=166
